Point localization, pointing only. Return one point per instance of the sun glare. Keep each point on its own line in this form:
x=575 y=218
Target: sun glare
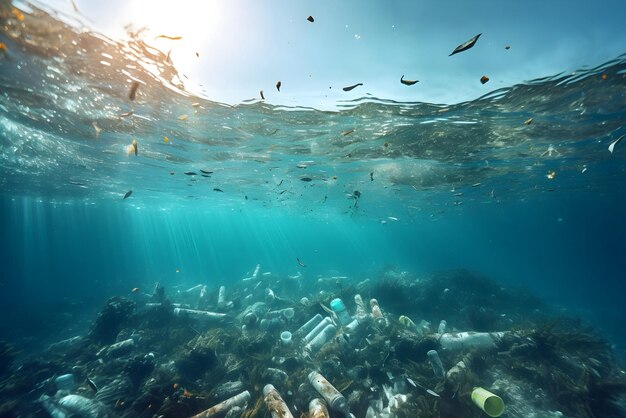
x=186 y=27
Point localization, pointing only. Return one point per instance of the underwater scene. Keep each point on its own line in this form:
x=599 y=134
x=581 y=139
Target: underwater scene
x=312 y=209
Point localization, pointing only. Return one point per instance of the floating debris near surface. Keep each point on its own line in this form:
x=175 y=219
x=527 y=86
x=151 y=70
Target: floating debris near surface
x=97 y=129
x=484 y=79
x=262 y=95
x=127 y=194
x=133 y=148
x=217 y=189
x=528 y=121
x=190 y=173
x=278 y=84
x=306 y=179
x=133 y=90
x=171 y=38
x=614 y=143
x=349 y=88
x=408 y=82
x=183 y=117
x=348 y=132
x=466 y=45
x=310 y=19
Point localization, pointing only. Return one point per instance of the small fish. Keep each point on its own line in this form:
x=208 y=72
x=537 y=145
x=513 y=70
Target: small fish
x=135 y=290
x=528 y=121
x=408 y=82
x=190 y=173
x=300 y=262
x=92 y=385
x=348 y=132
x=393 y=218
x=310 y=19
x=205 y=171
x=612 y=144
x=166 y=139
x=372 y=176
x=127 y=194
x=349 y=88
x=133 y=90
x=357 y=194
x=97 y=129
x=183 y=117
x=551 y=175
x=216 y=189
x=475 y=184
x=278 y=84
x=484 y=79
x=307 y=179
x=262 y=95
x=205 y=175
x=171 y=38
x=465 y=45
x=507 y=47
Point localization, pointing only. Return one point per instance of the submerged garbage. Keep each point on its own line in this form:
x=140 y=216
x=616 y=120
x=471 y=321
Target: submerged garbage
x=293 y=346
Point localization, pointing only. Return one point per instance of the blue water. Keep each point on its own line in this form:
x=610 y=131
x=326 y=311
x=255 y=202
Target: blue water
x=462 y=186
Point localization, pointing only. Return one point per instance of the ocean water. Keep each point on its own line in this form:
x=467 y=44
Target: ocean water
x=373 y=184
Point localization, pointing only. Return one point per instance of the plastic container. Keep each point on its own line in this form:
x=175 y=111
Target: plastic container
x=321 y=338
x=273 y=324
x=318 y=409
x=309 y=325
x=275 y=403
x=361 y=311
x=81 y=406
x=285 y=338
x=340 y=310
x=333 y=397
x=377 y=314
x=407 y=322
x=199 y=315
x=491 y=404
x=435 y=363
x=65 y=382
x=287 y=313
x=442 y=326
x=118 y=349
x=484 y=341
x=241 y=400
x=221 y=297
x=317 y=329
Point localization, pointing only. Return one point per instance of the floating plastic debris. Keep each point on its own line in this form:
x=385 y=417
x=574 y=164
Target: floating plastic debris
x=484 y=79
x=466 y=45
x=349 y=88
x=408 y=82
x=310 y=19
x=614 y=143
x=133 y=90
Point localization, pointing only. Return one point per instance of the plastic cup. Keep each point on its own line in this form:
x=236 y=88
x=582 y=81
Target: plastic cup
x=491 y=404
x=285 y=337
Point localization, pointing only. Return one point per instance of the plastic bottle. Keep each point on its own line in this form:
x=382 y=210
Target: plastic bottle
x=241 y=400
x=339 y=308
x=470 y=340
x=435 y=363
x=199 y=315
x=65 y=382
x=442 y=326
x=275 y=403
x=285 y=338
x=361 y=311
x=309 y=325
x=377 y=314
x=321 y=338
x=317 y=329
x=318 y=409
x=221 y=297
x=333 y=397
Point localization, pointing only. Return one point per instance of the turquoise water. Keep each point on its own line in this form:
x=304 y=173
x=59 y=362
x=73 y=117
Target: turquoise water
x=518 y=185
x=441 y=186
